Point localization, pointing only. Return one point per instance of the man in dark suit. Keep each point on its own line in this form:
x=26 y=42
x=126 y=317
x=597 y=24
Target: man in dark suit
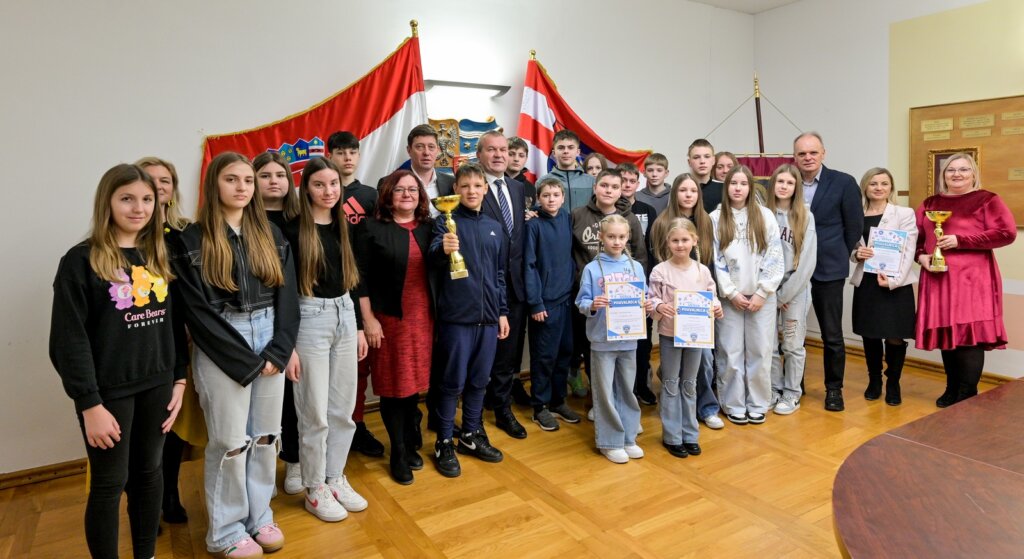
x=505 y=203
x=835 y=201
x=422 y=147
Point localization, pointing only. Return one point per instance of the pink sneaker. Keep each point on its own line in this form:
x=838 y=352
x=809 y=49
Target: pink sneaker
x=270 y=538
x=245 y=549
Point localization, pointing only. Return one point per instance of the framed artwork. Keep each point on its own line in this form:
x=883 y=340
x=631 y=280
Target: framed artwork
x=937 y=158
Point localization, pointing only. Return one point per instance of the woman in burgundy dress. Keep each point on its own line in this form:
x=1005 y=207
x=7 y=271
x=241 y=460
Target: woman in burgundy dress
x=960 y=311
x=398 y=311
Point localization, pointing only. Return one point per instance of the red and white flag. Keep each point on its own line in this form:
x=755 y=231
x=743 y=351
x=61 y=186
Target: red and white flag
x=545 y=112
x=380 y=109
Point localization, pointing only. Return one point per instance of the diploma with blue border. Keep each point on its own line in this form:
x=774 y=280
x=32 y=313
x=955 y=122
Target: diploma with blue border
x=695 y=319
x=625 y=317
x=888 y=246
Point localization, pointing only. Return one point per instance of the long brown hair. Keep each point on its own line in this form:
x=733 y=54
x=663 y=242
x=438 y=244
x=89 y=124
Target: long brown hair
x=291 y=198
x=798 y=213
x=172 y=210
x=701 y=220
x=218 y=259
x=311 y=260
x=105 y=256
x=757 y=235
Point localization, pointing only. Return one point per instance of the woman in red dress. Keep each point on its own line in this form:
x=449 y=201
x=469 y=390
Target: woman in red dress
x=960 y=311
x=398 y=311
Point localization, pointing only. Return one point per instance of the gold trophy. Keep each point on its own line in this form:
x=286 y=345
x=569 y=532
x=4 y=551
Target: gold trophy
x=445 y=205
x=938 y=217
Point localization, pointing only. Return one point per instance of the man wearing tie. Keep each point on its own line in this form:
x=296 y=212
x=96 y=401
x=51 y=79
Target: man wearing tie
x=505 y=203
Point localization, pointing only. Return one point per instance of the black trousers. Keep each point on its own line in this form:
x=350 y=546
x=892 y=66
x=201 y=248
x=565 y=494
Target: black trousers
x=827 y=299
x=289 y=426
x=132 y=466
x=508 y=358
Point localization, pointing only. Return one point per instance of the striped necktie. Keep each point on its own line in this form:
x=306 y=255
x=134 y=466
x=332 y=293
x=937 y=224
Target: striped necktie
x=506 y=212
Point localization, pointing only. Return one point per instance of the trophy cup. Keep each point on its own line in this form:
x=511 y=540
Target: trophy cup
x=445 y=205
x=938 y=217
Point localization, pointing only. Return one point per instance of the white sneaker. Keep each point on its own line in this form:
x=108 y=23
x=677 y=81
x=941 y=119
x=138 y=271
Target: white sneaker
x=616 y=455
x=590 y=414
x=640 y=429
x=787 y=406
x=776 y=398
x=343 y=492
x=322 y=504
x=634 y=451
x=714 y=422
x=293 y=478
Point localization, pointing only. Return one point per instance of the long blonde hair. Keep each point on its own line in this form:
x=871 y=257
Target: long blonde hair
x=218 y=259
x=105 y=256
x=701 y=220
x=311 y=260
x=171 y=210
x=798 y=213
x=757 y=235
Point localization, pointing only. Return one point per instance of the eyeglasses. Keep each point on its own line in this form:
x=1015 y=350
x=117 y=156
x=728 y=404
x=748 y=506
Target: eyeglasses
x=961 y=170
x=409 y=191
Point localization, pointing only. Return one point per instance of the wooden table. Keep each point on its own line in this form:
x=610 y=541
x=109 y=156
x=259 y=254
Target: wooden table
x=947 y=485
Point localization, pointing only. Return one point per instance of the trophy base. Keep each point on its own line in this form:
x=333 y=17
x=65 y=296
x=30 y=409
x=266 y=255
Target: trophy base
x=939 y=268
x=459 y=274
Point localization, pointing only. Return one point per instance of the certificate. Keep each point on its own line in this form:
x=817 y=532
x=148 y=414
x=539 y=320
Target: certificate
x=888 y=246
x=695 y=319
x=625 y=317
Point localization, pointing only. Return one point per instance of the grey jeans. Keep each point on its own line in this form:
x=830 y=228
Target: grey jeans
x=678 y=403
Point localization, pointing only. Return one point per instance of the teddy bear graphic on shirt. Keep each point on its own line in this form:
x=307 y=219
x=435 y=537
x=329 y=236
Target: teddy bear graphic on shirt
x=142 y=285
x=126 y=292
x=121 y=291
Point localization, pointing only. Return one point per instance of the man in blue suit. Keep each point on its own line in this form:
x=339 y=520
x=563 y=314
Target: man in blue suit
x=838 y=212
x=505 y=203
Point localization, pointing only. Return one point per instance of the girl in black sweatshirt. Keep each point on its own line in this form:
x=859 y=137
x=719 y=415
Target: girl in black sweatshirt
x=113 y=342
x=236 y=287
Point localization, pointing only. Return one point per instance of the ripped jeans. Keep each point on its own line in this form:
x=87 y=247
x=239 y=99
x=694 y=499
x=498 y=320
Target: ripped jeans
x=244 y=425
x=788 y=368
x=678 y=403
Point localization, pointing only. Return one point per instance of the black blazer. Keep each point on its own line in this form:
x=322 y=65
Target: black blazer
x=382 y=254
x=838 y=223
x=514 y=277
x=445 y=183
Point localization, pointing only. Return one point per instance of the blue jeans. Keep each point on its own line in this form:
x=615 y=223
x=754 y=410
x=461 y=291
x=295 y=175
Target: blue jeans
x=243 y=424
x=788 y=368
x=470 y=349
x=616 y=411
x=325 y=395
x=707 y=402
x=678 y=402
x=550 y=351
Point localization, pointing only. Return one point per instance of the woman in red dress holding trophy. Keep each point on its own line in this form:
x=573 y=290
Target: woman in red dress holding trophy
x=960 y=301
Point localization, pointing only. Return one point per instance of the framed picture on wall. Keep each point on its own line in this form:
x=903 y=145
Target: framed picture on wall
x=938 y=157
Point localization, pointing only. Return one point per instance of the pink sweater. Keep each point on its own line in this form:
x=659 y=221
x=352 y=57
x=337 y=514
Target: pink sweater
x=667 y=278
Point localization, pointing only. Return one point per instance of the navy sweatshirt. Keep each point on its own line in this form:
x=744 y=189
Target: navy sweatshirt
x=550 y=269
x=480 y=298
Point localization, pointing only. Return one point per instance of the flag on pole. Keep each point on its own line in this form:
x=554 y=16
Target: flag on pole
x=380 y=109
x=545 y=112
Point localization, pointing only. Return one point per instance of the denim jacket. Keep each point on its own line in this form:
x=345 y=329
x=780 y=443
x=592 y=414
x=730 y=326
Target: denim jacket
x=202 y=305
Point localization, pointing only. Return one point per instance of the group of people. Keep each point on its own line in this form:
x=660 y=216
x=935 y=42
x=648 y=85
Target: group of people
x=286 y=300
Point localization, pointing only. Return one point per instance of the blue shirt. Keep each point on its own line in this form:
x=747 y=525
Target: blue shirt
x=811 y=187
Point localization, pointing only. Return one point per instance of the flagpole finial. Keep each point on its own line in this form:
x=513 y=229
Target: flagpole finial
x=533 y=54
x=757 y=87
x=415 y=27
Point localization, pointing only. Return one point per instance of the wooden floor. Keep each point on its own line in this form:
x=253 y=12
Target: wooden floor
x=757 y=491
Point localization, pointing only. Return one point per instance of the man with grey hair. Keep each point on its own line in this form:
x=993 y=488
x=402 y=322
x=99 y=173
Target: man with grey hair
x=835 y=201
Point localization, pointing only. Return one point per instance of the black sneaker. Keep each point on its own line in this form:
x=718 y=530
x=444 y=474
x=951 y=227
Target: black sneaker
x=646 y=397
x=365 y=443
x=564 y=412
x=519 y=394
x=755 y=418
x=692 y=448
x=834 y=400
x=476 y=444
x=505 y=420
x=546 y=421
x=738 y=419
x=445 y=459
x=677 y=450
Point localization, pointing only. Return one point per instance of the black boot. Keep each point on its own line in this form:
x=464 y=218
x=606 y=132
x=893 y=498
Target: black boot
x=972 y=361
x=952 y=368
x=873 y=359
x=413 y=437
x=393 y=413
x=895 y=354
x=173 y=512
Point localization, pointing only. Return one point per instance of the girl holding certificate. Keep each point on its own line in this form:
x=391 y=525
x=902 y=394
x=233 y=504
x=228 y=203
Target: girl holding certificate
x=613 y=362
x=679 y=272
x=749 y=262
x=883 y=302
x=793 y=299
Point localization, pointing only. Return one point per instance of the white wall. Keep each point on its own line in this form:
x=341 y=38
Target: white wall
x=90 y=84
